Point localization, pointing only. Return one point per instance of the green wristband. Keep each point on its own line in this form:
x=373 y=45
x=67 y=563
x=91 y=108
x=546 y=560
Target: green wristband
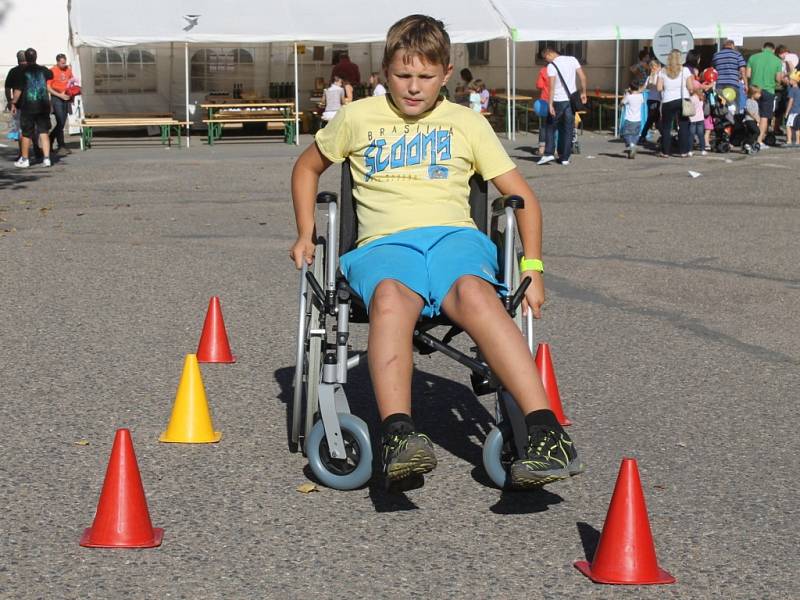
x=531 y=264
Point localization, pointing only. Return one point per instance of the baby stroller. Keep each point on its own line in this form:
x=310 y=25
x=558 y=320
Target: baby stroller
x=722 y=120
x=745 y=134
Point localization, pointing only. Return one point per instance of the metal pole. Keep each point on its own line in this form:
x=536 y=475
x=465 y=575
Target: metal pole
x=186 y=75
x=508 y=87
x=296 y=101
x=616 y=90
x=513 y=89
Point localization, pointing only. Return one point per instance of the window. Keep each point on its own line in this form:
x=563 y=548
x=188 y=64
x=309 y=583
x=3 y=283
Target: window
x=576 y=49
x=478 y=53
x=124 y=71
x=221 y=69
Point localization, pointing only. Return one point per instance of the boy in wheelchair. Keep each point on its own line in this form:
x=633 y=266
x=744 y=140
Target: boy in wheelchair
x=418 y=251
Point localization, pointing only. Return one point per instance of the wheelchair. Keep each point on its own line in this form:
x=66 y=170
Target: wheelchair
x=337 y=443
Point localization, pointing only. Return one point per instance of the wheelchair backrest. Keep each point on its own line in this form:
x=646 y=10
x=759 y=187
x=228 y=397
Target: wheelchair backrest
x=348 y=223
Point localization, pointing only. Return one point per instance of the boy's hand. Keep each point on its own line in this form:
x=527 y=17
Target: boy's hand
x=534 y=295
x=302 y=249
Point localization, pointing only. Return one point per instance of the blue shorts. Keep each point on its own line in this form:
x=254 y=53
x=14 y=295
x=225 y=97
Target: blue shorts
x=427 y=260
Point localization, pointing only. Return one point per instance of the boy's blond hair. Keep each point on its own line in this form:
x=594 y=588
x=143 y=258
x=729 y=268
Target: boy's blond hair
x=418 y=36
x=753 y=90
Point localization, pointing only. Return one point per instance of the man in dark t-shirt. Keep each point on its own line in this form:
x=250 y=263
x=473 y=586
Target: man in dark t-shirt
x=32 y=100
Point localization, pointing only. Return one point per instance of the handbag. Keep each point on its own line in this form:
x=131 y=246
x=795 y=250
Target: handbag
x=687 y=108
x=575 y=101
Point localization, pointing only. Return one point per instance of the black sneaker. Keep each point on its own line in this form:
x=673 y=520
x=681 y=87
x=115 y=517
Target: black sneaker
x=549 y=456
x=406 y=455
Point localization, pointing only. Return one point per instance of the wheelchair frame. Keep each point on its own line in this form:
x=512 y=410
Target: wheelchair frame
x=336 y=442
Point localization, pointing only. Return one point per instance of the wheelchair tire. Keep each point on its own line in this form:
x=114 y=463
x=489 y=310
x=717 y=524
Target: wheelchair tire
x=341 y=474
x=498 y=455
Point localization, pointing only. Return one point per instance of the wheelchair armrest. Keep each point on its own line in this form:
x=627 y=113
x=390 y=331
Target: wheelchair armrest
x=326 y=197
x=503 y=202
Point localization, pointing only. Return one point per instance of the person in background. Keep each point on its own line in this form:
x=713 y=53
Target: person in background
x=561 y=117
x=789 y=63
x=633 y=103
x=693 y=62
x=462 y=89
x=483 y=93
x=697 y=122
x=653 y=100
x=752 y=120
x=62 y=76
x=14 y=82
x=348 y=91
x=543 y=85
x=332 y=99
x=33 y=102
x=765 y=70
x=378 y=88
x=641 y=69
x=732 y=70
x=474 y=97
x=793 y=110
x=346 y=69
x=676 y=83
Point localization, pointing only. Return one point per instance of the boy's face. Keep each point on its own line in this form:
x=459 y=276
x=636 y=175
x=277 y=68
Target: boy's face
x=757 y=96
x=414 y=83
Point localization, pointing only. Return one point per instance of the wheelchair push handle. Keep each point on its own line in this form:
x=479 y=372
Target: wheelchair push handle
x=503 y=202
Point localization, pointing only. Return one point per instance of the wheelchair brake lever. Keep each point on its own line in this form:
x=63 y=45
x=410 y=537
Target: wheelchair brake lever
x=516 y=299
x=317 y=289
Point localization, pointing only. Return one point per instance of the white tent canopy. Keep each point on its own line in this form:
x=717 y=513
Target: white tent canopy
x=565 y=20
x=353 y=21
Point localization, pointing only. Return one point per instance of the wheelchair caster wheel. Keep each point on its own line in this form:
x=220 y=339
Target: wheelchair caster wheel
x=341 y=474
x=498 y=454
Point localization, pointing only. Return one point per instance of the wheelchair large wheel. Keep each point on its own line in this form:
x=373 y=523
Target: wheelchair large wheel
x=498 y=454
x=308 y=371
x=341 y=474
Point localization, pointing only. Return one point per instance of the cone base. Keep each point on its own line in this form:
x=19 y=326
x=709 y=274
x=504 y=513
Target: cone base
x=586 y=568
x=217 y=437
x=213 y=360
x=565 y=423
x=158 y=535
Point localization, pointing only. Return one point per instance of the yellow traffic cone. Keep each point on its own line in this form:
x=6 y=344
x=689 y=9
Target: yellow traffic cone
x=190 y=422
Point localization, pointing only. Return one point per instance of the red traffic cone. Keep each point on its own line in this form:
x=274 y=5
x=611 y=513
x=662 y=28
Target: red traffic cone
x=544 y=363
x=626 y=553
x=122 y=519
x=213 y=346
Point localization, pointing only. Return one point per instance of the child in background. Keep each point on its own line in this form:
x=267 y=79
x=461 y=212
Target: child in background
x=697 y=122
x=793 y=110
x=375 y=83
x=751 y=119
x=332 y=99
x=633 y=102
x=475 y=96
x=484 y=93
x=543 y=85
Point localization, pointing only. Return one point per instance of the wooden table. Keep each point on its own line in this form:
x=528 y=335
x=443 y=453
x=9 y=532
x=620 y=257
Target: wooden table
x=525 y=103
x=165 y=121
x=230 y=110
x=602 y=101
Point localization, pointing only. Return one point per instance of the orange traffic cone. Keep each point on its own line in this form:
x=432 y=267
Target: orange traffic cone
x=213 y=346
x=544 y=363
x=122 y=519
x=626 y=553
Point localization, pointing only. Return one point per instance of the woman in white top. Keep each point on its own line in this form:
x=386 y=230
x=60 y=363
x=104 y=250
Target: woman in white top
x=332 y=99
x=676 y=83
x=375 y=83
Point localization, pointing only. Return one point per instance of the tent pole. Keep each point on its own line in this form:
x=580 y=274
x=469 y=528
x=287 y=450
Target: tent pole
x=171 y=75
x=508 y=87
x=616 y=90
x=186 y=75
x=296 y=101
x=513 y=89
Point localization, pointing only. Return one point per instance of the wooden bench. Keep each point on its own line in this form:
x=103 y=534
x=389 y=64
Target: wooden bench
x=275 y=115
x=166 y=122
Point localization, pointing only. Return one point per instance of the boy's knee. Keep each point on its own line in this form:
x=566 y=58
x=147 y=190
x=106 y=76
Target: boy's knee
x=390 y=297
x=472 y=293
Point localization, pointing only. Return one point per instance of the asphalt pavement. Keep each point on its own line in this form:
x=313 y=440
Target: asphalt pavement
x=673 y=315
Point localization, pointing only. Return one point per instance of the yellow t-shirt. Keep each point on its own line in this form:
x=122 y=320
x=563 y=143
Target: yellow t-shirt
x=411 y=172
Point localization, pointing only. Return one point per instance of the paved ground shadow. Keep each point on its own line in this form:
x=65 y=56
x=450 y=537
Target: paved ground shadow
x=525 y=502
x=590 y=537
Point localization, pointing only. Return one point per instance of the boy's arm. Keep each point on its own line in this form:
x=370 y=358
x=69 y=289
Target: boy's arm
x=305 y=181
x=529 y=223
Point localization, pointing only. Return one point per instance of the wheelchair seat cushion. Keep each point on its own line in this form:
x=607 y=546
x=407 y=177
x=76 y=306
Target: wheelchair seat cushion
x=427 y=260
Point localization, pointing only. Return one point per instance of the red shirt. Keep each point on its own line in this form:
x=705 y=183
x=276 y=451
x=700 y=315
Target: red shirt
x=543 y=84
x=61 y=78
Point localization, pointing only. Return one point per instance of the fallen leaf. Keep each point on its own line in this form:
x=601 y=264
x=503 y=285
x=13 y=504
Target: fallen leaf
x=44 y=210
x=82 y=443
x=659 y=487
x=307 y=488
